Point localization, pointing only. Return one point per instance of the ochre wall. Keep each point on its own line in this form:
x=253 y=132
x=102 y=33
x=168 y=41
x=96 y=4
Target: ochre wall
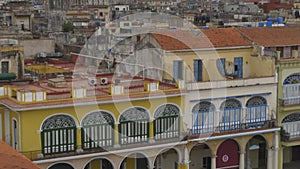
x=32 y=120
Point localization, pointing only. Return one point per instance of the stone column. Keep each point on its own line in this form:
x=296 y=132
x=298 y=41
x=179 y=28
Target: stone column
x=7 y=126
x=116 y=135
x=79 y=143
x=151 y=131
x=213 y=161
x=185 y=160
x=276 y=149
x=242 y=160
x=270 y=159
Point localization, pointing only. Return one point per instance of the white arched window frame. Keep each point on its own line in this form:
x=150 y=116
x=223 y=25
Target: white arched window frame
x=134 y=126
x=256 y=112
x=58 y=135
x=203 y=117
x=97 y=130
x=230 y=115
x=167 y=122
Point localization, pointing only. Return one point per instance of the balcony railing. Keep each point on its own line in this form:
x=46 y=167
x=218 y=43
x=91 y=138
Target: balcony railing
x=231 y=127
x=252 y=117
x=291 y=94
x=292 y=130
x=230 y=83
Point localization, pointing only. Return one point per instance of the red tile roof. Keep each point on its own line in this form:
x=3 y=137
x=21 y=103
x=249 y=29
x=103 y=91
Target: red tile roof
x=11 y=159
x=225 y=37
x=181 y=39
x=267 y=7
x=211 y=38
x=273 y=36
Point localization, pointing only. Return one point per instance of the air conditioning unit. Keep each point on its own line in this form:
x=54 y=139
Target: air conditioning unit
x=92 y=81
x=35 y=79
x=103 y=81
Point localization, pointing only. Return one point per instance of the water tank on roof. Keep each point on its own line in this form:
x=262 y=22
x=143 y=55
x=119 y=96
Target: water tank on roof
x=280 y=20
x=270 y=19
x=8 y=76
x=261 y=24
x=269 y=24
x=205 y=27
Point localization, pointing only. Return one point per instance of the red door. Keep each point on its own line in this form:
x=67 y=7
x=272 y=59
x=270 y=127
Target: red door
x=228 y=155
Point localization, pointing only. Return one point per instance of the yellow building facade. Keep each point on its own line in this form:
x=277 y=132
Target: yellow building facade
x=215 y=107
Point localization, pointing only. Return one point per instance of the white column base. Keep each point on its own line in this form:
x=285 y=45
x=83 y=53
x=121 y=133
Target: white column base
x=213 y=162
x=242 y=161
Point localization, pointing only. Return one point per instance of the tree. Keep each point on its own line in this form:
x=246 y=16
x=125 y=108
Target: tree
x=67 y=27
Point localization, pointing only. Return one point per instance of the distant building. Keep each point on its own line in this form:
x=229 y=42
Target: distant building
x=11 y=57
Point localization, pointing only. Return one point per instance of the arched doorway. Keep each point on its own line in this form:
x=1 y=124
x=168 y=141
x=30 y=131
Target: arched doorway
x=166 y=160
x=61 y=166
x=99 y=164
x=135 y=161
x=256 y=153
x=200 y=157
x=228 y=155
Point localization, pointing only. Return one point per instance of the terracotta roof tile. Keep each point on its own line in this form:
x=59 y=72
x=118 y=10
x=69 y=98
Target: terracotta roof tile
x=211 y=38
x=11 y=159
x=225 y=37
x=273 y=36
x=181 y=39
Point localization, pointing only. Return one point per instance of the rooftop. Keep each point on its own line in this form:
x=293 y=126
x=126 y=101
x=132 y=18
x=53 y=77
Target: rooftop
x=225 y=37
x=273 y=36
x=11 y=159
x=51 y=87
x=181 y=39
x=211 y=38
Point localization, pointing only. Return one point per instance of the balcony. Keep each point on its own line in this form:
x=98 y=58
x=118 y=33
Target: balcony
x=228 y=128
x=291 y=131
x=230 y=120
x=230 y=83
x=291 y=94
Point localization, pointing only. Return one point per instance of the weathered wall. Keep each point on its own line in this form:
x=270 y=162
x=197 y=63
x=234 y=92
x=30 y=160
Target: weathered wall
x=34 y=46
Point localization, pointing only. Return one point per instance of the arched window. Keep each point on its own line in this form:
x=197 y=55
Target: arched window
x=292 y=79
x=256 y=112
x=203 y=117
x=230 y=115
x=58 y=135
x=166 y=123
x=291 y=90
x=134 y=126
x=291 y=125
x=97 y=130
